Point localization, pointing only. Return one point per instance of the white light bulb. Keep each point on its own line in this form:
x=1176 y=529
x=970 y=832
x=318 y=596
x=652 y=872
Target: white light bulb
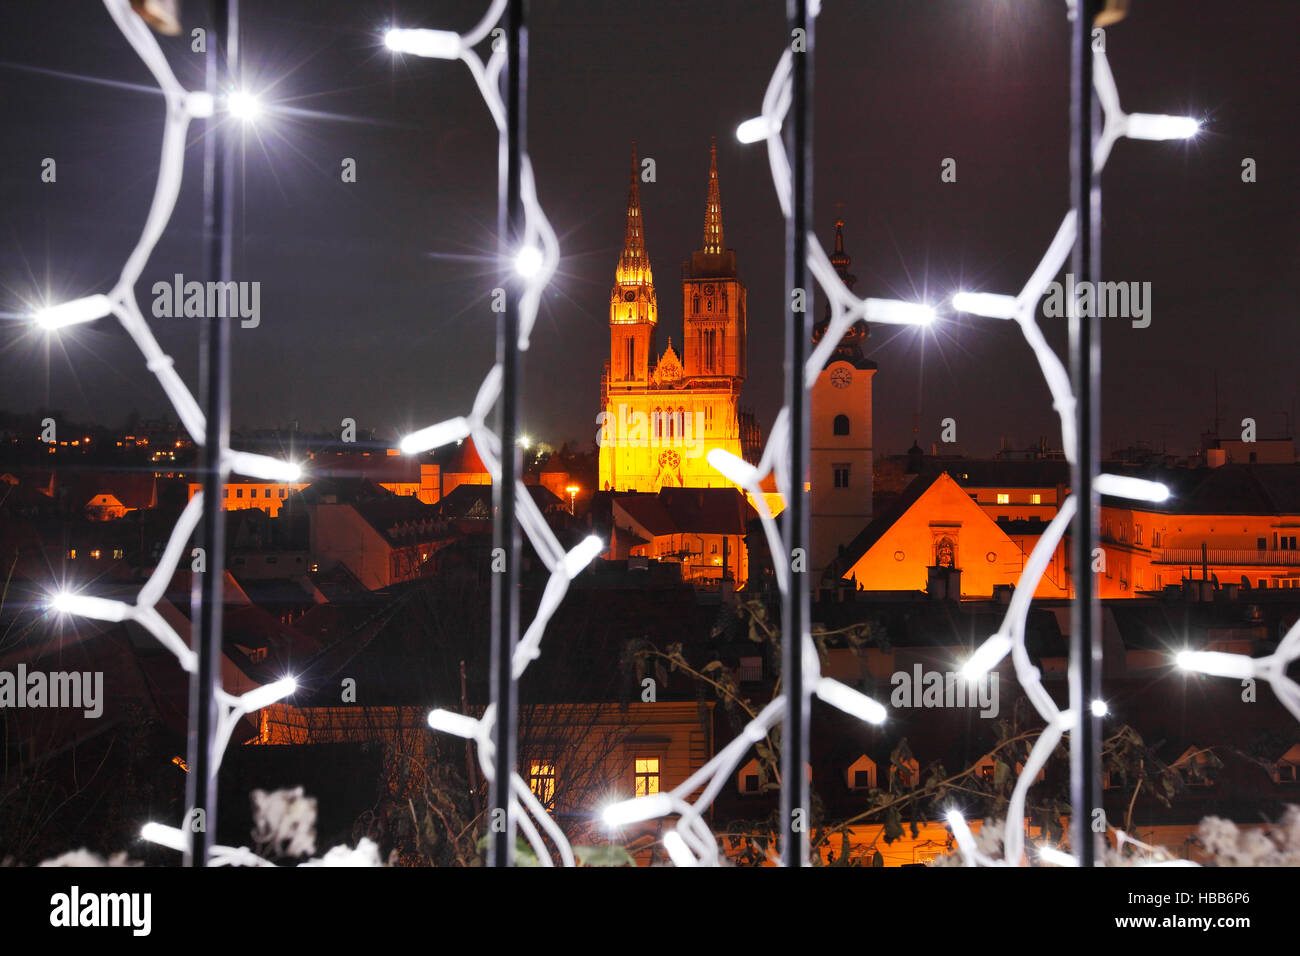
x=84 y=605
x=71 y=313
x=268 y=694
x=582 y=555
x=1157 y=126
x=1050 y=854
x=1216 y=663
x=529 y=261
x=435 y=436
x=450 y=722
x=732 y=467
x=199 y=104
x=262 y=466
x=1099 y=708
x=899 y=313
x=634 y=811
x=758 y=128
x=850 y=701
x=438 y=44
x=165 y=836
x=243 y=105
x=988 y=304
x=986 y=657
x=1138 y=489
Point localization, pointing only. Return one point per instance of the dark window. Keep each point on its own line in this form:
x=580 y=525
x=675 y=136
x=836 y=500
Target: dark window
x=861 y=779
x=751 y=783
x=841 y=425
x=1261 y=544
x=841 y=476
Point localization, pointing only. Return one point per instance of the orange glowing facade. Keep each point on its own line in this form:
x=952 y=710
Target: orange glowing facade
x=660 y=421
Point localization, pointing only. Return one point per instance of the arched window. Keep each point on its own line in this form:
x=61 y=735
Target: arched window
x=695 y=305
x=724 y=300
x=841 y=424
x=658 y=426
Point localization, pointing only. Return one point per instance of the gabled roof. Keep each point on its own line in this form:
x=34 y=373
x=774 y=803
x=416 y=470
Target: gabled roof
x=877 y=527
x=475 y=501
x=465 y=460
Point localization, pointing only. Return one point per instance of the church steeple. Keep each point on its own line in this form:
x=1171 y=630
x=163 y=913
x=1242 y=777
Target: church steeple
x=713 y=243
x=634 y=264
x=633 y=308
x=851 y=346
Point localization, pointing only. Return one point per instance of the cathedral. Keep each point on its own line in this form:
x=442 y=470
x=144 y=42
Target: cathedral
x=663 y=415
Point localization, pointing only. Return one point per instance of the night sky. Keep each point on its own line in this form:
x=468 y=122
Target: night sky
x=375 y=295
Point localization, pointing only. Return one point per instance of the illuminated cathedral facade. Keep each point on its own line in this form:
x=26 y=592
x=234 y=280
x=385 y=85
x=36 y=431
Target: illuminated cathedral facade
x=661 y=417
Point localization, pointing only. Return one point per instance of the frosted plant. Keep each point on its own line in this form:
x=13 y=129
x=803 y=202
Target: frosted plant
x=284 y=822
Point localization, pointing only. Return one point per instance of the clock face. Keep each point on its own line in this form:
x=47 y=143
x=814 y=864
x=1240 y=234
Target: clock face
x=841 y=377
x=708 y=290
x=629 y=296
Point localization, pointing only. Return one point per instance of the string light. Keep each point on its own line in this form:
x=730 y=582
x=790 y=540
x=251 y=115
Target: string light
x=181 y=106
x=691 y=842
x=846 y=309
x=244 y=106
x=1022 y=309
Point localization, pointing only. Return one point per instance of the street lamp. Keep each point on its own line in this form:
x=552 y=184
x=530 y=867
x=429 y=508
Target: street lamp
x=573 y=494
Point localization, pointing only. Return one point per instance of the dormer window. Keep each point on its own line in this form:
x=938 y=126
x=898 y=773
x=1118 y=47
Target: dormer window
x=861 y=774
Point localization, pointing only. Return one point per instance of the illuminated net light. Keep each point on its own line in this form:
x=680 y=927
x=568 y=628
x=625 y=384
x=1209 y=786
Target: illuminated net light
x=438 y=44
x=1218 y=663
x=535 y=263
x=756 y=129
x=529 y=261
x=986 y=657
x=244 y=106
x=77 y=311
x=847 y=309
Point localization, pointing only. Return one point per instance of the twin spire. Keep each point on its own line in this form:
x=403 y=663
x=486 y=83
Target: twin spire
x=634 y=264
x=713 y=206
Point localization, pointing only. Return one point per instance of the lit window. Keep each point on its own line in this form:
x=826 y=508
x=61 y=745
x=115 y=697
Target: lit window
x=118 y=553
x=541 y=780
x=72 y=552
x=1036 y=498
x=95 y=554
x=1004 y=498
x=647 y=776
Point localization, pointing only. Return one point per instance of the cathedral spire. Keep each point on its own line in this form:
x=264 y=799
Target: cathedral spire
x=634 y=264
x=713 y=206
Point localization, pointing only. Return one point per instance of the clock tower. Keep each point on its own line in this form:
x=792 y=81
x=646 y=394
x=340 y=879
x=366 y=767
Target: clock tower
x=841 y=452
